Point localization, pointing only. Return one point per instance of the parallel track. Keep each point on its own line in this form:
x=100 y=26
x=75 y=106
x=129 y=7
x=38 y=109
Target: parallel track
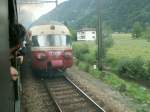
x=68 y=97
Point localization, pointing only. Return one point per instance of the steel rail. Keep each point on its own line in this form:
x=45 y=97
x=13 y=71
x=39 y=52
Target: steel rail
x=50 y=95
x=84 y=94
x=81 y=92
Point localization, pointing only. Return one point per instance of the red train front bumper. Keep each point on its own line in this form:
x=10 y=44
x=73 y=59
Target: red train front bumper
x=54 y=64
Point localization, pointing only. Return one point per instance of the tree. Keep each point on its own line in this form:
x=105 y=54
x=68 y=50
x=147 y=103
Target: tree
x=146 y=34
x=137 y=30
x=72 y=32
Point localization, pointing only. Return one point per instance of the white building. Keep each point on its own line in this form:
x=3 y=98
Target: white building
x=86 y=34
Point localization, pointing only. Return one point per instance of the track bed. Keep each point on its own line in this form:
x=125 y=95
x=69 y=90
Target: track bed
x=68 y=97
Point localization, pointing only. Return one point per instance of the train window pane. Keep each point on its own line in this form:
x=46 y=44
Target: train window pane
x=50 y=40
x=69 y=42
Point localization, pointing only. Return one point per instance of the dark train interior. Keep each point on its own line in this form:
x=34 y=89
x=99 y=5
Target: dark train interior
x=8 y=15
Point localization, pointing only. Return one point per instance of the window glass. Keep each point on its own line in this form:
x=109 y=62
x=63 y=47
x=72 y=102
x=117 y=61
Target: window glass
x=50 y=40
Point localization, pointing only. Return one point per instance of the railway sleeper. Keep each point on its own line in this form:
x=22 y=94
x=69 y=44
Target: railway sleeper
x=63 y=92
x=56 y=83
x=60 y=89
x=73 y=98
x=61 y=97
x=59 y=86
x=71 y=101
x=79 y=107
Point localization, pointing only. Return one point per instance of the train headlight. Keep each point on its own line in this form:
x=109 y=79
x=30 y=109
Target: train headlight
x=68 y=54
x=41 y=56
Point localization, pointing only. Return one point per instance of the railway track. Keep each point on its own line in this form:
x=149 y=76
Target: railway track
x=68 y=97
x=35 y=97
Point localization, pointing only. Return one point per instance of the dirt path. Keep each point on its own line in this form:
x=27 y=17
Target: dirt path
x=111 y=100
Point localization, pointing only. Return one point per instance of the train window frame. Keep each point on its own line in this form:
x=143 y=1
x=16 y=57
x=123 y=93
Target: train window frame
x=8 y=16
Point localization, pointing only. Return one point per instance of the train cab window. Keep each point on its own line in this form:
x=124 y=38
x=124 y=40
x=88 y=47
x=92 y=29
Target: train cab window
x=69 y=42
x=50 y=40
x=35 y=41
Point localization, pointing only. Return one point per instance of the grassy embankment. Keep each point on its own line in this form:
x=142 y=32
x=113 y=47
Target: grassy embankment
x=124 y=47
x=127 y=47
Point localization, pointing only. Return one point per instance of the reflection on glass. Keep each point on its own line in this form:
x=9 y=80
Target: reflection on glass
x=50 y=40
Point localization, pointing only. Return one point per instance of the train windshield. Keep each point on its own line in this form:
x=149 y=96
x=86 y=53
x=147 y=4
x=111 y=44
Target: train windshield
x=50 y=40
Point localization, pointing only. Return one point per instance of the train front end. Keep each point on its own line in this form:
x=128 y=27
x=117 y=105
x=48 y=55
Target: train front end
x=51 y=47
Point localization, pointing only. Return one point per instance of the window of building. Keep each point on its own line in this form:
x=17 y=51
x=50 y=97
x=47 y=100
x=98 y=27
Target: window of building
x=82 y=37
x=93 y=32
x=82 y=32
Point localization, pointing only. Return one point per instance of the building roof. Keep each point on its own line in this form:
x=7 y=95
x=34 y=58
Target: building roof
x=87 y=29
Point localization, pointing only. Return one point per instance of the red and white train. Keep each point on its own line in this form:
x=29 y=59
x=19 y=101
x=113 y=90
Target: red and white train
x=51 y=47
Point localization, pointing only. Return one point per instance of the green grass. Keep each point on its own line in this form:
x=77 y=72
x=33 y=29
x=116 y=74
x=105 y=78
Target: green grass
x=139 y=93
x=125 y=46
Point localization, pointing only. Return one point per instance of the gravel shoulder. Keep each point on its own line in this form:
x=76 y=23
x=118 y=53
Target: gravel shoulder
x=34 y=95
x=104 y=95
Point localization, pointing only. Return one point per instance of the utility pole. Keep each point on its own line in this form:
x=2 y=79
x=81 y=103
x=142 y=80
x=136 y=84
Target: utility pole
x=56 y=2
x=99 y=35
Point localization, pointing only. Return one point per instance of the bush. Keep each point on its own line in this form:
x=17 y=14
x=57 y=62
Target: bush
x=108 y=42
x=111 y=62
x=95 y=72
x=114 y=80
x=76 y=61
x=141 y=110
x=137 y=30
x=89 y=58
x=84 y=66
x=146 y=34
x=132 y=68
x=140 y=93
x=147 y=76
x=79 y=49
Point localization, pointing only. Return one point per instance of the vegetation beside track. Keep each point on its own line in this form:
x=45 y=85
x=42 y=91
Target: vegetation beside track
x=127 y=57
